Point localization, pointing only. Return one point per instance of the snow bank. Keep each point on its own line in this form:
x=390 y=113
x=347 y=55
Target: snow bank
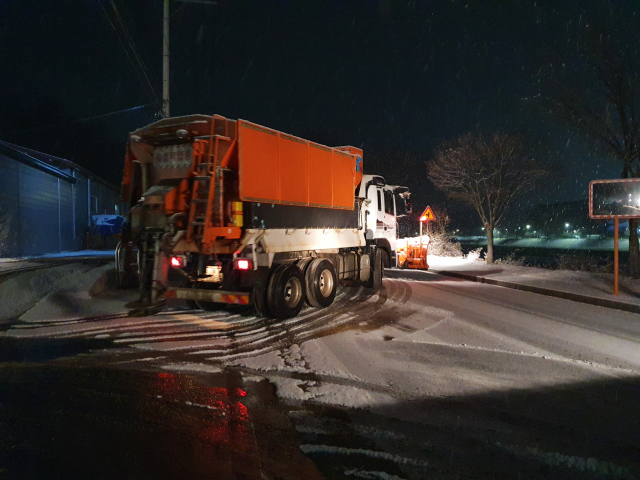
x=71 y=298
x=585 y=283
x=559 y=243
x=440 y=262
x=20 y=293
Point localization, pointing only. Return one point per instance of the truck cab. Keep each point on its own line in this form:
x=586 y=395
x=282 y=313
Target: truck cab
x=382 y=207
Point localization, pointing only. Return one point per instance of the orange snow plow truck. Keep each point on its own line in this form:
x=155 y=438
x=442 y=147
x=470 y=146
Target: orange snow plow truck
x=229 y=212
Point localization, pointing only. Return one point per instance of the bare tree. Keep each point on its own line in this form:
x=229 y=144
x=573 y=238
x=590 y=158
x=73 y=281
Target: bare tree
x=598 y=94
x=489 y=172
x=441 y=243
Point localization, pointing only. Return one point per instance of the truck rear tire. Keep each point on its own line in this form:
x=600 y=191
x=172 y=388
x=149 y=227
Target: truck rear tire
x=321 y=283
x=380 y=260
x=286 y=292
x=260 y=299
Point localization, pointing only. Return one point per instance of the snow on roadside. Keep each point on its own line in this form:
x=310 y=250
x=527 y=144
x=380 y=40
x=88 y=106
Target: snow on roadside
x=265 y=362
x=323 y=362
x=192 y=367
x=311 y=358
x=441 y=262
x=585 y=283
x=22 y=292
x=71 y=298
x=328 y=393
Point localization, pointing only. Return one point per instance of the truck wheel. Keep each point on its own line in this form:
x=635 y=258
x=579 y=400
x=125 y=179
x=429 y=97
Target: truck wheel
x=260 y=299
x=320 y=280
x=285 y=293
x=375 y=281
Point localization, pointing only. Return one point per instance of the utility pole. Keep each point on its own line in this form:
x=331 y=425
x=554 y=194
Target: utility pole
x=165 y=51
x=165 y=60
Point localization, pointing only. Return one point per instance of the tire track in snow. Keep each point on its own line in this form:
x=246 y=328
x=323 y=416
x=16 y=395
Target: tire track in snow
x=225 y=335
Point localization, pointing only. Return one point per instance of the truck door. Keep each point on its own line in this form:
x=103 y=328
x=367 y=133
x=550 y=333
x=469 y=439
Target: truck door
x=386 y=220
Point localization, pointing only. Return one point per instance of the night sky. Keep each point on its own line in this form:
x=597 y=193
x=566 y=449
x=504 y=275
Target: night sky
x=393 y=77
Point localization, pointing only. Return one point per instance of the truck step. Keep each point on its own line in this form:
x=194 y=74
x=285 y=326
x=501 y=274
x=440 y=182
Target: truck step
x=199 y=200
x=205 y=164
x=197 y=223
x=202 y=177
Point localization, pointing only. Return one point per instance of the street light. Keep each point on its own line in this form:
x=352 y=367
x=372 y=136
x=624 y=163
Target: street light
x=528 y=227
x=566 y=225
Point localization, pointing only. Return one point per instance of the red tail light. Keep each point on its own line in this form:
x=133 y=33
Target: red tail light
x=243 y=264
x=176 y=262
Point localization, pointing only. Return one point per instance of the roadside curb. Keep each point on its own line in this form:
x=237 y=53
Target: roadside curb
x=576 y=297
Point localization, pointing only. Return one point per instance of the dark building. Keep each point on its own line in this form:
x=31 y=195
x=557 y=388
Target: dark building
x=46 y=202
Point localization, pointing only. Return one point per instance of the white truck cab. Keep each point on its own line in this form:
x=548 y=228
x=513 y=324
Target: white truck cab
x=382 y=207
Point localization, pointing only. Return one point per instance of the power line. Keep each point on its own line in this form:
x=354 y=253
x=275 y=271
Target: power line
x=80 y=120
x=145 y=82
x=133 y=47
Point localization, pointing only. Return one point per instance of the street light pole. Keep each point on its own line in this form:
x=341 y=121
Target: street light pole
x=165 y=51
x=165 y=60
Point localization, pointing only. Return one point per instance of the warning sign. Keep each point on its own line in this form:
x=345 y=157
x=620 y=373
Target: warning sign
x=427 y=215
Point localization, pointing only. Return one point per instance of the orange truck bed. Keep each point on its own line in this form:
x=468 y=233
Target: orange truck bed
x=278 y=168
x=272 y=167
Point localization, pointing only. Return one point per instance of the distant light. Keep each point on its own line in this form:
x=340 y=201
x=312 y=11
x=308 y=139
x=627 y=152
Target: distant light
x=566 y=225
x=528 y=227
x=482 y=228
x=243 y=264
x=176 y=262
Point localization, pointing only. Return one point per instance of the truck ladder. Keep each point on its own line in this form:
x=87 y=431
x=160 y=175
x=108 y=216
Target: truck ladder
x=202 y=202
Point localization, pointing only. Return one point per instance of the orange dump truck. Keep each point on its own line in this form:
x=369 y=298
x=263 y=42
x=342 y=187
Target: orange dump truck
x=227 y=211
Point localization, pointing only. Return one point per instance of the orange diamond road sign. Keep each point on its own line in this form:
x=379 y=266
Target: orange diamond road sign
x=427 y=215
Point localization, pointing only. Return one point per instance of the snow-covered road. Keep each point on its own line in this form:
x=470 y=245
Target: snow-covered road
x=443 y=369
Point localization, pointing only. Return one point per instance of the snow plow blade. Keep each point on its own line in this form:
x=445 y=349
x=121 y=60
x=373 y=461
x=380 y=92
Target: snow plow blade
x=233 y=298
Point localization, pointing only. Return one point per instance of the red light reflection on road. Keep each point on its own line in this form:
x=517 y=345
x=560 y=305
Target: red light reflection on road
x=222 y=423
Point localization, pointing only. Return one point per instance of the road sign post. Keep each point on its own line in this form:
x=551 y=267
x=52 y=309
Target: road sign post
x=427 y=216
x=615 y=256
x=613 y=200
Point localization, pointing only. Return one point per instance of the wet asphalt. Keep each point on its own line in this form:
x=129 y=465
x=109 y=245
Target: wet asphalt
x=66 y=414
x=70 y=410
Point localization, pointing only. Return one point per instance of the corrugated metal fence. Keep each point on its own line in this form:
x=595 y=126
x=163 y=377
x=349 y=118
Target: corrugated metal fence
x=44 y=213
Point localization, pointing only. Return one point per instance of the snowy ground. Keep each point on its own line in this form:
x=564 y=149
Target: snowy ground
x=74 y=254
x=60 y=292
x=559 y=243
x=585 y=283
x=433 y=372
